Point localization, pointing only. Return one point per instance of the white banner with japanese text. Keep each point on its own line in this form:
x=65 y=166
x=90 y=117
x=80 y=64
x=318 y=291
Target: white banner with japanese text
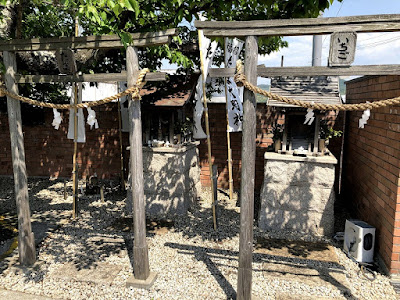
x=234 y=95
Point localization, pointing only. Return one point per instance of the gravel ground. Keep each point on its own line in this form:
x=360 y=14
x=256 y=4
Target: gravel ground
x=192 y=261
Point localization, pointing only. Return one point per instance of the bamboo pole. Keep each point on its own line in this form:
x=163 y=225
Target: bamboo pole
x=121 y=145
x=207 y=132
x=74 y=160
x=228 y=138
x=65 y=190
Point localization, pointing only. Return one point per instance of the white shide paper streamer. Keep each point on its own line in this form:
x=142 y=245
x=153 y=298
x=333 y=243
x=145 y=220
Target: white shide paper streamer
x=91 y=119
x=57 y=119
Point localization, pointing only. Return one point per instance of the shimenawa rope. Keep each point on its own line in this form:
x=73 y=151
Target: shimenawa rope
x=135 y=90
x=240 y=80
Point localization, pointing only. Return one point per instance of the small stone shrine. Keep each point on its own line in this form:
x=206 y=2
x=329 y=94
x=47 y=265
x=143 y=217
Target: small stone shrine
x=297 y=192
x=171 y=168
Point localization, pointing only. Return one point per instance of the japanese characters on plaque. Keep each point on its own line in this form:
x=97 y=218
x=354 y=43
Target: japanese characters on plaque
x=342 y=49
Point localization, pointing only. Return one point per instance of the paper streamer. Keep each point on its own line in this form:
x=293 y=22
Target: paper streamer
x=91 y=119
x=364 y=118
x=309 y=117
x=57 y=119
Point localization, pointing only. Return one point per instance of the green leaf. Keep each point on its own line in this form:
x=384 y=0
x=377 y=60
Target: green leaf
x=117 y=9
x=126 y=39
x=110 y=4
x=135 y=5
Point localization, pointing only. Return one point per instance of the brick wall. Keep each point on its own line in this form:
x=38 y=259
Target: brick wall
x=49 y=152
x=217 y=116
x=372 y=164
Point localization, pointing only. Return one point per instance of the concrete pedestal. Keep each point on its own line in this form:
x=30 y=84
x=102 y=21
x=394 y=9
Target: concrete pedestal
x=171 y=180
x=141 y=284
x=297 y=194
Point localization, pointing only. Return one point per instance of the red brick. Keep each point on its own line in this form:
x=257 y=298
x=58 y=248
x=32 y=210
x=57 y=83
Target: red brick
x=395 y=265
x=395 y=256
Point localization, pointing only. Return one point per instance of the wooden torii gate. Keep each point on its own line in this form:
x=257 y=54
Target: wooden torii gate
x=250 y=30
x=26 y=244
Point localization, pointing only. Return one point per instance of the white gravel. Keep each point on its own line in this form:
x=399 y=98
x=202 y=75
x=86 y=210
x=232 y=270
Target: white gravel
x=191 y=260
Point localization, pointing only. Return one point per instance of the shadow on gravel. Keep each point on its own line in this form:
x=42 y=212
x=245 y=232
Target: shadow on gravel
x=308 y=271
x=50 y=213
x=200 y=223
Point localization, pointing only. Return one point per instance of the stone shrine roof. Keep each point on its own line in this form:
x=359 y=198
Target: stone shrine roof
x=320 y=89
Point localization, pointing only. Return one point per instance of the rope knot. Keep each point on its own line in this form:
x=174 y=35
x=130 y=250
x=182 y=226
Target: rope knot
x=136 y=93
x=139 y=84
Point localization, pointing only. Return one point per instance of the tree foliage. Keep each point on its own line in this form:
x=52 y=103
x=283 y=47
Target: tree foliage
x=55 y=18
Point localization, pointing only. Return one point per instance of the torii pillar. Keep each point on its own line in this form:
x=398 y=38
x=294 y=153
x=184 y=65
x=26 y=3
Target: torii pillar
x=142 y=277
x=26 y=240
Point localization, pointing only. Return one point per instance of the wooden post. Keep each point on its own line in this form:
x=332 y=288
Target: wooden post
x=102 y=193
x=285 y=133
x=316 y=135
x=26 y=240
x=147 y=129
x=248 y=174
x=171 y=128
x=215 y=190
x=74 y=160
x=121 y=145
x=140 y=250
x=203 y=72
x=65 y=190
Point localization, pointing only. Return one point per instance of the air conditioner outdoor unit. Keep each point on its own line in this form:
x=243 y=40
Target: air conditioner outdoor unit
x=359 y=240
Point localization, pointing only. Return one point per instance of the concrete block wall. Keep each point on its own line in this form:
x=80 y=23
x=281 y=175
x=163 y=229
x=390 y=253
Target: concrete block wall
x=49 y=152
x=372 y=164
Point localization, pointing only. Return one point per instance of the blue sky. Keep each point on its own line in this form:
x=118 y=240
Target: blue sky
x=372 y=48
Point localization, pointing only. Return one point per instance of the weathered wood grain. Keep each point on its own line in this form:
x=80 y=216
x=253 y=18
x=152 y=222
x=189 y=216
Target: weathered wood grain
x=247 y=174
x=26 y=241
x=304 y=26
x=87 y=42
x=328 y=71
x=141 y=268
x=104 y=77
x=264 y=71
